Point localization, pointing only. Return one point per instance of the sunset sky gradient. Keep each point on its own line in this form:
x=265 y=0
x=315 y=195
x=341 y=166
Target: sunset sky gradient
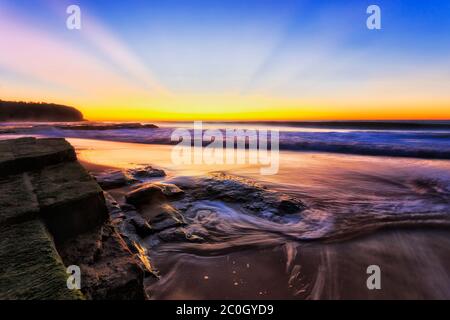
x=230 y=60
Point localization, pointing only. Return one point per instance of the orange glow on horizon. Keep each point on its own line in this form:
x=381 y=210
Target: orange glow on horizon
x=265 y=110
x=108 y=77
x=254 y=108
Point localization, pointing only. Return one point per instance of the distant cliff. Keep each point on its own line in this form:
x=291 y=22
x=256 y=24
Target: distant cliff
x=31 y=111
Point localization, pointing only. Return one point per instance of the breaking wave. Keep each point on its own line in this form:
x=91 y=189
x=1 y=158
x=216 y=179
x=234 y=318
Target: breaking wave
x=420 y=140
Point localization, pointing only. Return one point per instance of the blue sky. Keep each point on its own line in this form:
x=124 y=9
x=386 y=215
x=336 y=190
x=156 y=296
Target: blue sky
x=313 y=53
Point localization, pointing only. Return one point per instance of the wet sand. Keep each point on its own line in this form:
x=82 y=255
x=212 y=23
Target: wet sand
x=415 y=262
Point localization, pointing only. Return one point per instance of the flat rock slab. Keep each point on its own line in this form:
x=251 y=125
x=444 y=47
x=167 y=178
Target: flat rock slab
x=26 y=154
x=30 y=267
x=51 y=185
x=17 y=201
x=47 y=198
x=70 y=200
x=63 y=183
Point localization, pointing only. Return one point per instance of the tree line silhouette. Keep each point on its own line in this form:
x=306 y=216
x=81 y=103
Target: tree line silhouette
x=37 y=111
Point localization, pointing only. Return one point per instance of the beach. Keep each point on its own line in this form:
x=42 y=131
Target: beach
x=354 y=211
x=225 y=150
x=254 y=258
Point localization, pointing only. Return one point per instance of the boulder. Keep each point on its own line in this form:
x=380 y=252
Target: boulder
x=146 y=172
x=148 y=192
x=248 y=194
x=112 y=179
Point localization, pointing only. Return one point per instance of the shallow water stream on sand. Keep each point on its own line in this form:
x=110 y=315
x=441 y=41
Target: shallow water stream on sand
x=323 y=256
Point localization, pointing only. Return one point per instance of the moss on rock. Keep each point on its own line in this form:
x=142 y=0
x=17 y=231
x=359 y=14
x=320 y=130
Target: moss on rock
x=30 y=267
x=71 y=201
x=17 y=201
x=25 y=154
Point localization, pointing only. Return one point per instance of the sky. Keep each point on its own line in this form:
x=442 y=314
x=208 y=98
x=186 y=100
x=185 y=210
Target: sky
x=229 y=59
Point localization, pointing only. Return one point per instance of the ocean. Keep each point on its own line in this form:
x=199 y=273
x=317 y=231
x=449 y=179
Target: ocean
x=419 y=139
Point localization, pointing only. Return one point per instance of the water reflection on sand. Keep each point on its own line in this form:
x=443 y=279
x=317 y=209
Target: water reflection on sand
x=415 y=263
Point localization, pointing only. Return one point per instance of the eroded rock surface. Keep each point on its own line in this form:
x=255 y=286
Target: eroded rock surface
x=148 y=192
x=110 y=270
x=30 y=267
x=70 y=201
x=174 y=209
x=112 y=179
x=234 y=189
x=166 y=217
x=17 y=200
x=49 y=201
x=26 y=154
x=147 y=172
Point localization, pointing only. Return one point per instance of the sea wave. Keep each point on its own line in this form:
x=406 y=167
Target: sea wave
x=429 y=143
